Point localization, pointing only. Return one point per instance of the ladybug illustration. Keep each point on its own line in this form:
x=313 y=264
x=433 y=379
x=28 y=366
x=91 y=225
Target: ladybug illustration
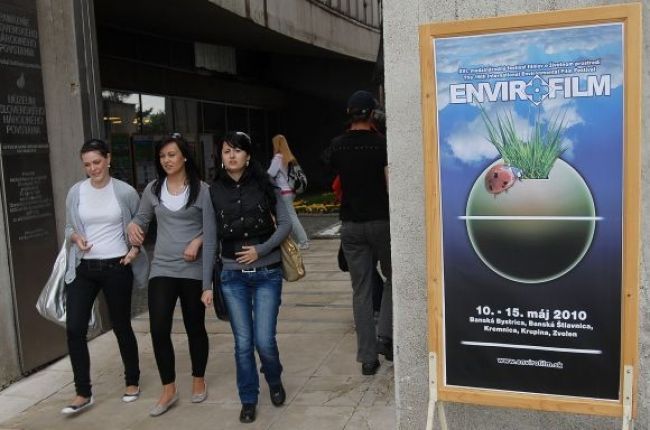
x=501 y=177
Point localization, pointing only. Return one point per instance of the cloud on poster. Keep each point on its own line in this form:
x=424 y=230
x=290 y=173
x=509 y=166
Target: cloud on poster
x=467 y=140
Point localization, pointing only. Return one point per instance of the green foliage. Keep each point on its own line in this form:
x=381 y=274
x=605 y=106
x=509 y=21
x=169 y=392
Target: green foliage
x=535 y=156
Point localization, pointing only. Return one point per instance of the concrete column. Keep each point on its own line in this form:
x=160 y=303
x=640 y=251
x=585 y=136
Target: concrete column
x=402 y=69
x=72 y=89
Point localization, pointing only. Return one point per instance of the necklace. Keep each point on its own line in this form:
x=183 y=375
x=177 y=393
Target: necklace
x=175 y=192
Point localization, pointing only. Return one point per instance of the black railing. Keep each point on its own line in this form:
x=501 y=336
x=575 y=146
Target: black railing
x=367 y=12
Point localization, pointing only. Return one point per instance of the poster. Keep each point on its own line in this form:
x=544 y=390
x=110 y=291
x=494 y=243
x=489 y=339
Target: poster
x=530 y=134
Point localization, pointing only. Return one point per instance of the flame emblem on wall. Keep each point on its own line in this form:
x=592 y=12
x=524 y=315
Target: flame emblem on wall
x=20 y=83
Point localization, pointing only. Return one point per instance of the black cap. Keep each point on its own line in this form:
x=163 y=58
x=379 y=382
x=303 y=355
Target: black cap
x=361 y=102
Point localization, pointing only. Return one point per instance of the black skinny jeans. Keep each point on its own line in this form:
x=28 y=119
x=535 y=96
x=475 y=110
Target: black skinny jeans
x=116 y=281
x=163 y=294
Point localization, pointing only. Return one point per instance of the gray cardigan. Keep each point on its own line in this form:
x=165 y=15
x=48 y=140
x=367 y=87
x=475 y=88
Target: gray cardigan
x=176 y=229
x=128 y=200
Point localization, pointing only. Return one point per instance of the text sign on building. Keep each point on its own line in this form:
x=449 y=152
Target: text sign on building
x=532 y=155
x=26 y=180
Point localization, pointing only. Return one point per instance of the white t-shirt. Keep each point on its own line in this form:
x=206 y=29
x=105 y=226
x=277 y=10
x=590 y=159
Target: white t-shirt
x=172 y=202
x=101 y=217
x=279 y=173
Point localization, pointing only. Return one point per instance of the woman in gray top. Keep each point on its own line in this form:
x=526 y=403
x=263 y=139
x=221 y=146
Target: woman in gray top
x=182 y=263
x=98 y=210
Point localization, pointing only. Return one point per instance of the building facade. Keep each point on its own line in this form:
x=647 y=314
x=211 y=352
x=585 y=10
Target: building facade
x=133 y=72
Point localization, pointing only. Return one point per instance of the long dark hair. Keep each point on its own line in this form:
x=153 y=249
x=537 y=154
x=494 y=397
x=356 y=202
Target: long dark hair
x=191 y=170
x=254 y=170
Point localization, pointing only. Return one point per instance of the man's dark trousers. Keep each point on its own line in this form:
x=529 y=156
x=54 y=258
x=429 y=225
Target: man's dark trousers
x=363 y=242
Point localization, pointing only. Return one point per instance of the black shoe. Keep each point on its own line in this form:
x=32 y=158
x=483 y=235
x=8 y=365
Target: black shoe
x=247 y=414
x=278 y=395
x=370 y=368
x=385 y=348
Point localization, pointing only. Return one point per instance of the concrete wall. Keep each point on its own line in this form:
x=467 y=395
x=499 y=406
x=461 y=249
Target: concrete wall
x=308 y=22
x=72 y=91
x=401 y=19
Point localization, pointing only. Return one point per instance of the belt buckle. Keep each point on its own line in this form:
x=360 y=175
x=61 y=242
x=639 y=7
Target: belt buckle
x=251 y=270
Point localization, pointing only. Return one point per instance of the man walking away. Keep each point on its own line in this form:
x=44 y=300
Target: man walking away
x=359 y=157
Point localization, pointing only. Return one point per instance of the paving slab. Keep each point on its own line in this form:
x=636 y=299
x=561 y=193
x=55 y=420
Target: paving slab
x=323 y=381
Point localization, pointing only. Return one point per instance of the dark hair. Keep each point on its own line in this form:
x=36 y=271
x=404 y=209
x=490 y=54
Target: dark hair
x=191 y=170
x=237 y=139
x=95 y=145
x=254 y=170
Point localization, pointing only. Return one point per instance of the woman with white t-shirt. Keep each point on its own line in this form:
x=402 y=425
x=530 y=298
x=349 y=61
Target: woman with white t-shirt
x=282 y=160
x=182 y=263
x=98 y=210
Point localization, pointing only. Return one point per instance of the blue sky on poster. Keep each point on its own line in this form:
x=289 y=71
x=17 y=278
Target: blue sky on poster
x=466 y=141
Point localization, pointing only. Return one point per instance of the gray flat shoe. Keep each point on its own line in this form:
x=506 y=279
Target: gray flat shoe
x=198 y=398
x=161 y=409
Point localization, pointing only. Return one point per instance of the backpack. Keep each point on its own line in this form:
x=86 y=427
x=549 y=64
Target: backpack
x=297 y=178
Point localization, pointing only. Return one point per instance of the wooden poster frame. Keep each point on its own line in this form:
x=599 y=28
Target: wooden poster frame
x=630 y=16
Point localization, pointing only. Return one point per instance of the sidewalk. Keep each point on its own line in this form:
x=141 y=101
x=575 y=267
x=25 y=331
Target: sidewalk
x=325 y=388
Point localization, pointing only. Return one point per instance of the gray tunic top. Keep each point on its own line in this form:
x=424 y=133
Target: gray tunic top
x=176 y=229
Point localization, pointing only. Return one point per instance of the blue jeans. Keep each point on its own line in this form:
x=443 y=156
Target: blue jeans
x=253 y=302
x=297 y=230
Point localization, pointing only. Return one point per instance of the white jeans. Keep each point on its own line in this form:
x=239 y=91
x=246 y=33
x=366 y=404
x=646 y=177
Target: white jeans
x=297 y=231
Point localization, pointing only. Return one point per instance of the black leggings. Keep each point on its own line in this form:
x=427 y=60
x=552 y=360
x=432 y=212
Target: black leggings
x=163 y=294
x=117 y=283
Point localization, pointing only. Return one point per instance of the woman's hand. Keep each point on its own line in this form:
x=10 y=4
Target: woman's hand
x=206 y=298
x=135 y=233
x=192 y=249
x=130 y=256
x=81 y=242
x=247 y=256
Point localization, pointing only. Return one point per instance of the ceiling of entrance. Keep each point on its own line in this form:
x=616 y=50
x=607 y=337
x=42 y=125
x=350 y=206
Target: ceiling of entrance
x=201 y=21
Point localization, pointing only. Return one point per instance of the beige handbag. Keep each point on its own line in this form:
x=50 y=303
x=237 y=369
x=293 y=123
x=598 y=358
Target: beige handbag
x=293 y=267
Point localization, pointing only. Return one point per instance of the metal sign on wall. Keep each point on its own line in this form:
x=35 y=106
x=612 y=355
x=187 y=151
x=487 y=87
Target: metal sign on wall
x=26 y=180
x=532 y=164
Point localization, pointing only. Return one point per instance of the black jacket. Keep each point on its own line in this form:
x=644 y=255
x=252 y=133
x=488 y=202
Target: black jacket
x=243 y=213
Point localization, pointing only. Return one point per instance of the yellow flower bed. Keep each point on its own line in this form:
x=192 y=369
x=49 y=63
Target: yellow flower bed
x=315 y=208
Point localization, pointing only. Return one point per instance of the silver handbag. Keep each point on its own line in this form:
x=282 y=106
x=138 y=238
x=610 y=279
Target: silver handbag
x=51 y=301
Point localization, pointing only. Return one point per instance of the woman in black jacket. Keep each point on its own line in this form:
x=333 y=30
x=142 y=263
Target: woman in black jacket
x=246 y=203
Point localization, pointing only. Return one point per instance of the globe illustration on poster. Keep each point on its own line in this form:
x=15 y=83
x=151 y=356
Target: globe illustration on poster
x=530 y=215
x=537 y=230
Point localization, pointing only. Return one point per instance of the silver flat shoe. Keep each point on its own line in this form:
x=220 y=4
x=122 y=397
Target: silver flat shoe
x=198 y=398
x=75 y=409
x=161 y=409
x=128 y=398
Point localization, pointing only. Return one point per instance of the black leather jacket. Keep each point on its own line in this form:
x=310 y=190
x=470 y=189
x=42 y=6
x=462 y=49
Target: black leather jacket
x=243 y=213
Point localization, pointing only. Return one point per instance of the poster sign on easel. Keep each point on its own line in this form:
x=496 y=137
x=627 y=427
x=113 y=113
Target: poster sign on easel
x=532 y=167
